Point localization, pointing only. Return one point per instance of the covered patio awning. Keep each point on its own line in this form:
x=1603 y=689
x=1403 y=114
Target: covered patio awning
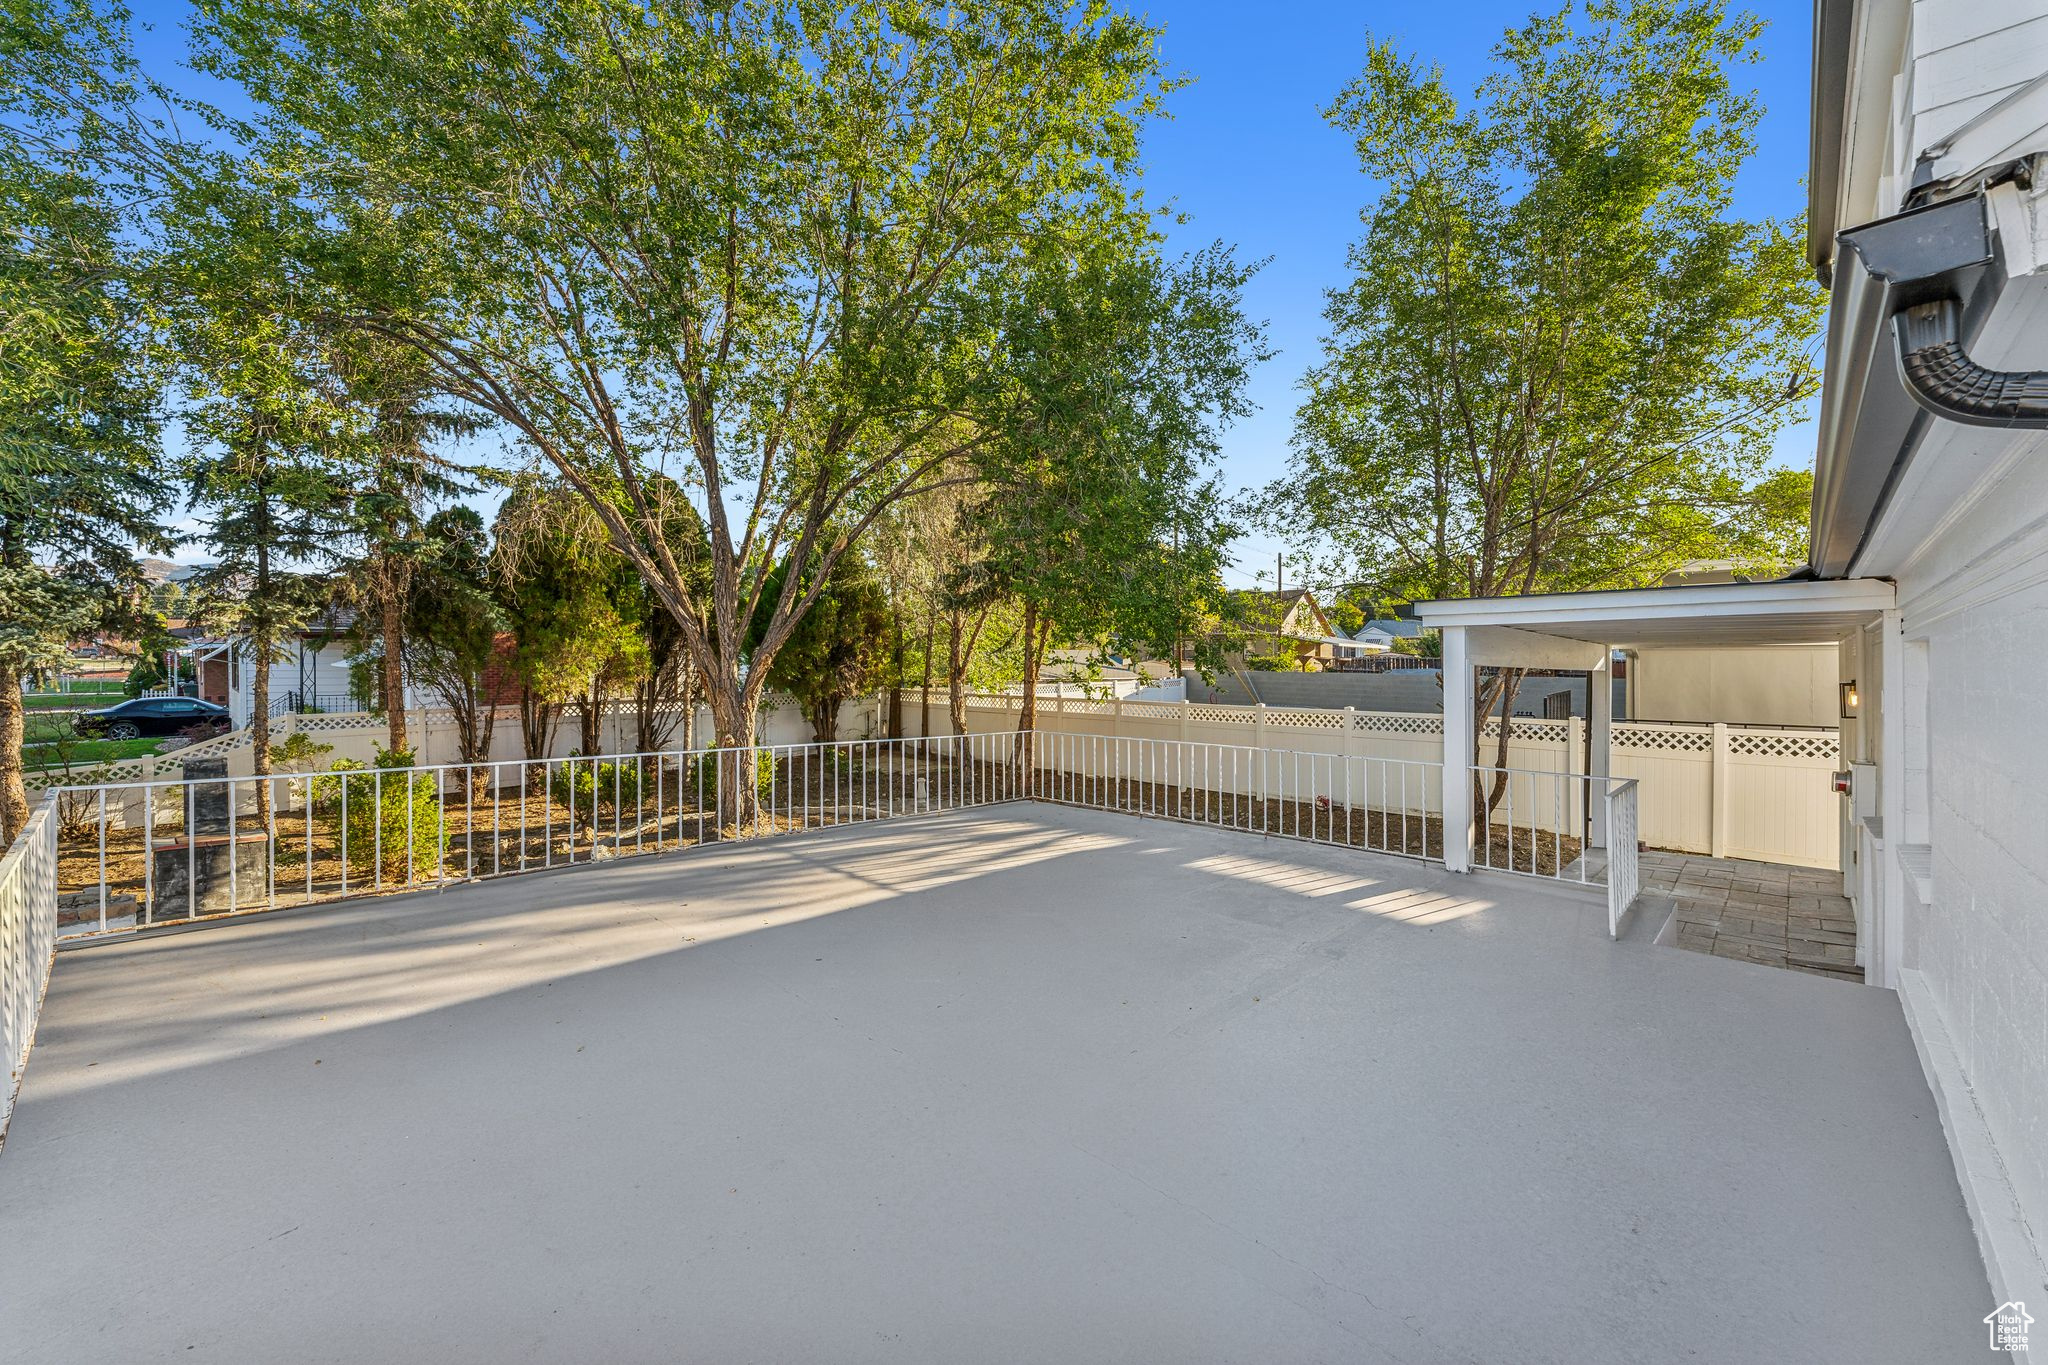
x=1580 y=631
x=1783 y=612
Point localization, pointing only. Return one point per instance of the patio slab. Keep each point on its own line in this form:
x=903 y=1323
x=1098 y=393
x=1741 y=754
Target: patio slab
x=1770 y=913
x=1021 y=1083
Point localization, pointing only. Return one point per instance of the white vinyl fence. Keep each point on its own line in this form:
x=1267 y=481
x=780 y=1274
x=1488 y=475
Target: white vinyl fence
x=28 y=937
x=1730 y=791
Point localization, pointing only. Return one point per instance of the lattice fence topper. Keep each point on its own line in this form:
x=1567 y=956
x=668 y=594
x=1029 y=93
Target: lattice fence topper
x=1152 y=710
x=1306 y=720
x=1669 y=739
x=216 y=747
x=128 y=770
x=1532 y=731
x=1785 y=744
x=1397 y=723
x=1222 y=715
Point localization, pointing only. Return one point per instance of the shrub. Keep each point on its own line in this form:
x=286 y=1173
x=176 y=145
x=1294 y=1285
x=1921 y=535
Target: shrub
x=297 y=752
x=571 y=783
x=712 y=762
x=377 y=812
x=1269 y=663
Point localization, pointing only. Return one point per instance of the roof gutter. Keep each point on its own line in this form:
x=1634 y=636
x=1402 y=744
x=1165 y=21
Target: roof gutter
x=1833 y=26
x=1911 y=294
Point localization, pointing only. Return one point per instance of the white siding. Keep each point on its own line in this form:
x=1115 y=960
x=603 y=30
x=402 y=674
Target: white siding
x=1978 y=596
x=1965 y=56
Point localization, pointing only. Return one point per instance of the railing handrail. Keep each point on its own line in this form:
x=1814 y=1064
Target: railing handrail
x=425 y=768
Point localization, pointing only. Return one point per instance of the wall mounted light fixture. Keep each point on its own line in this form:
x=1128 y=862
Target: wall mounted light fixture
x=1851 y=702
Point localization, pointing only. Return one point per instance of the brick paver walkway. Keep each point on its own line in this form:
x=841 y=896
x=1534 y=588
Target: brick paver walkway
x=1758 y=912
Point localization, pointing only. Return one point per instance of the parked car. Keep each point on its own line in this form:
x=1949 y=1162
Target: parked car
x=152 y=716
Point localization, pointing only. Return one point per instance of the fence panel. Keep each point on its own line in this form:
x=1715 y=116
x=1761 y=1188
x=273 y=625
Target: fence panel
x=28 y=937
x=1673 y=766
x=1747 y=792
x=1780 y=806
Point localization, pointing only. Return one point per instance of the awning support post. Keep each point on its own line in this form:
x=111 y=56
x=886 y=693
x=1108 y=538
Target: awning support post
x=1599 y=743
x=1458 y=740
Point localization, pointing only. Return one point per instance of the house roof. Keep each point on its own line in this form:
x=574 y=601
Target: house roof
x=1393 y=627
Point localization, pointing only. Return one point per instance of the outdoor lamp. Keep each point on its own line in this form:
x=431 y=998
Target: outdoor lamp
x=1850 y=701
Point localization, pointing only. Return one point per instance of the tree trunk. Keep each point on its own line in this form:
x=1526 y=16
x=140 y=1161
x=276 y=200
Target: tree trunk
x=263 y=639
x=588 y=716
x=924 y=689
x=1035 y=635
x=391 y=606
x=1498 y=690
x=734 y=709
x=259 y=717
x=825 y=720
x=13 y=795
x=896 y=677
x=956 y=670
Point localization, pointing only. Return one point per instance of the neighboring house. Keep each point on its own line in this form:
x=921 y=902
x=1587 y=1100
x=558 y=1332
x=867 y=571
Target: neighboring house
x=311 y=672
x=1083 y=672
x=1927 y=571
x=1291 y=623
x=1378 y=636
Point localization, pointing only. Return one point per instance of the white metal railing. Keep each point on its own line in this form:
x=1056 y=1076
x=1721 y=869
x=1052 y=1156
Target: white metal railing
x=1532 y=822
x=139 y=854
x=28 y=933
x=1385 y=805
x=1624 y=865
x=1567 y=827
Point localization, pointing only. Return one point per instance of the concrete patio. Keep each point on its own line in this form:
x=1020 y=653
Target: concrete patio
x=1020 y=1083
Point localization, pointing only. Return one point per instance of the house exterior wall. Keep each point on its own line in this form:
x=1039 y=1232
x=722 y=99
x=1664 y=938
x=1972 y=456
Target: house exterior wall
x=1979 y=790
x=1951 y=867
x=1964 y=56
x=1761 y=686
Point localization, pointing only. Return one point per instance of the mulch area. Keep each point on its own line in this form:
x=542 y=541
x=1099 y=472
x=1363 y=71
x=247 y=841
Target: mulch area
x=1373 y=828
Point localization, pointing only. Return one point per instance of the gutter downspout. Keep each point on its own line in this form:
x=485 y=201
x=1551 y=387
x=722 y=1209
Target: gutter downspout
x=1943 y=379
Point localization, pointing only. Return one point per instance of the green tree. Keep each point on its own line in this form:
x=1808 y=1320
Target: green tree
x=838 y=650
x=566 y=601
x=1561 y=358
x=452 y=625
x=739 y=238
x=78 y=412
x=1101 y=515
x=394 y=474
x=258 y=414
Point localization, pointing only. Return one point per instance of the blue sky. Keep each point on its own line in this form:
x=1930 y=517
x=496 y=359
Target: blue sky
x=1250 y=160
x=1247 y=157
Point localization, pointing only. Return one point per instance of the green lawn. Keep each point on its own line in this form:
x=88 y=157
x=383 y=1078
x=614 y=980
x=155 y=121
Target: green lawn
x=42 y=729
x=66 y=701
x=37 y=758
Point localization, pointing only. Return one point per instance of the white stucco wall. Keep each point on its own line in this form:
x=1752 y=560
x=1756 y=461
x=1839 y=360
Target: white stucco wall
x=1762 y=686
x=1976 y=782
